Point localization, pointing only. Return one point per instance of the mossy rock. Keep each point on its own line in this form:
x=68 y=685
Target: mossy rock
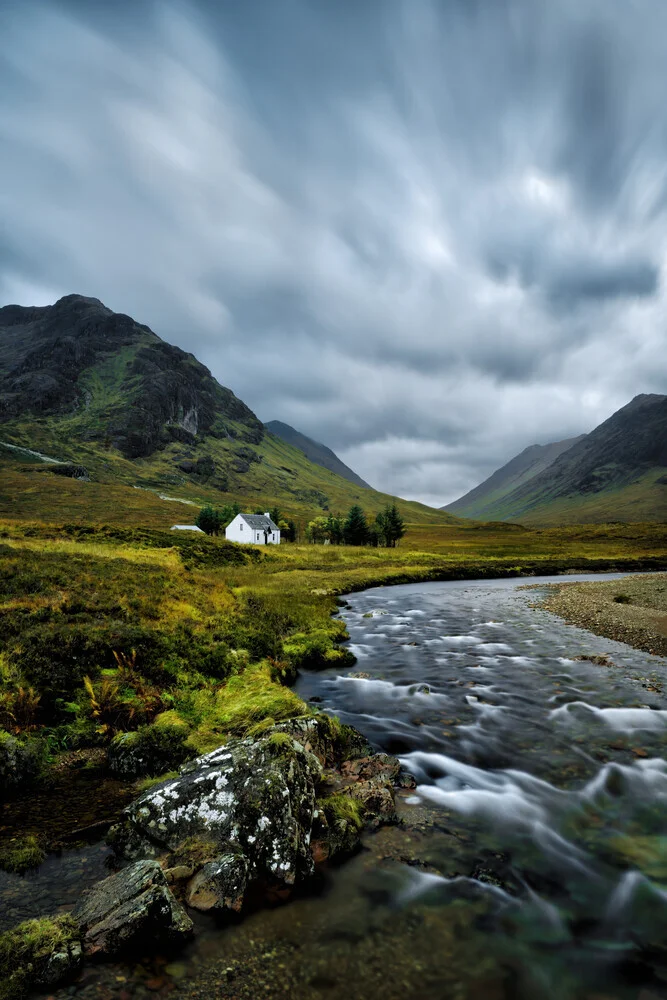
x=38 y=953
x=150 y=751
x=338 y=825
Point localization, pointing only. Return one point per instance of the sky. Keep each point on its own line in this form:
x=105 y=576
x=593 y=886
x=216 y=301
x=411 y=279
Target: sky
x=427 y=233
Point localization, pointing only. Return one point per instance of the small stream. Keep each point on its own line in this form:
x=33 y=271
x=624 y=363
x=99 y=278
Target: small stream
x=531 y=861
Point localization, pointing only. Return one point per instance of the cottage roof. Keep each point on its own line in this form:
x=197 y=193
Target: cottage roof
x=260 y=522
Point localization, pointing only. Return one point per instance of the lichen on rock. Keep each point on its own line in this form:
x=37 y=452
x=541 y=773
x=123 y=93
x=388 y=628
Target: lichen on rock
x=255 y=796
x=129 y=909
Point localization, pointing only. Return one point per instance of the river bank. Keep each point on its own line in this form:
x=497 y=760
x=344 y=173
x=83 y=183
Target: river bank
x=633 y=610
x=183 y=645
x=528 y=862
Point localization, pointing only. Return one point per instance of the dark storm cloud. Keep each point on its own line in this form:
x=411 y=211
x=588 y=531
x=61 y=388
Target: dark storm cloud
x=426 y=232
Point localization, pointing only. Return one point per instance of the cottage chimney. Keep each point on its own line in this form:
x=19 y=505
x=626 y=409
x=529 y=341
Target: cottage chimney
x=266 y=513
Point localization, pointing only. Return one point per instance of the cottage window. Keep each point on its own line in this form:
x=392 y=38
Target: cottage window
x=240 y=527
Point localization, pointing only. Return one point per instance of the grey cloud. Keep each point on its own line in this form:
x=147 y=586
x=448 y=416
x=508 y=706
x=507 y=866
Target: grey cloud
x=438 y=226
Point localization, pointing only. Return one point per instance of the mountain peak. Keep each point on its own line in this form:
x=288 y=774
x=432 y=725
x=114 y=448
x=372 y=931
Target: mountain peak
x=315 y=451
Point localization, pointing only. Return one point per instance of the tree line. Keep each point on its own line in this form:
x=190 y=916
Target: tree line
x=354 y=529
x=335 y=529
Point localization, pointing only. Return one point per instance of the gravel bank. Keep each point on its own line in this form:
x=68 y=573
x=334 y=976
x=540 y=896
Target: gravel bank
x=632 y=610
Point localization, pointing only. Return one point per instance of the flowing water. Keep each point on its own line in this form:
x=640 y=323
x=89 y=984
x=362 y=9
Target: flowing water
x=532 y=858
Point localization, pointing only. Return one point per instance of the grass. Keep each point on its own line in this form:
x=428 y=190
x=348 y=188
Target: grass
x=25 y=947
x=109 y=628
x=280 y=474
x=21 y=854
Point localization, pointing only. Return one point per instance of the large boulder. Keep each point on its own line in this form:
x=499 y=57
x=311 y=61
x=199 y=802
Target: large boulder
x=19 y=764
x=132 y=908
x=253 y=797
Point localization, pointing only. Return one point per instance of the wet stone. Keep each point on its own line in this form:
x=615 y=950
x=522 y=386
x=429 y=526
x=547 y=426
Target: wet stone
x=129 y=909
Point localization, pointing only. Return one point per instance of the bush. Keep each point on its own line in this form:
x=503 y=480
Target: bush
x=316 y=650
x=150 y=751
x=20 y=763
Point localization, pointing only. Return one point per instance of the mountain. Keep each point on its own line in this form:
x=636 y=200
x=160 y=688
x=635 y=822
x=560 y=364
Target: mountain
x=482 y=502
x=116 y=407
x=618 y=472
x=315 y=451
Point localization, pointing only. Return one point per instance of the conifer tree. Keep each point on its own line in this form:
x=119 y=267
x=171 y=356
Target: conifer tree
x=209 y=520
x=355 y=529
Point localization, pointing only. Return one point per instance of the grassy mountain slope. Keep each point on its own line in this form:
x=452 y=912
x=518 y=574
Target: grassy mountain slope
x=90 y=387
x=618 y=472
x=315 y=451
x=483 y=501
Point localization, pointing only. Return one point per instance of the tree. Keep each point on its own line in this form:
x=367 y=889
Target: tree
x=209 y=520
x=390 y=525
x=228 y=513
x=334 y=529
x=316 y=530
x=355 y=528
x=275 y=515
x=395 y=525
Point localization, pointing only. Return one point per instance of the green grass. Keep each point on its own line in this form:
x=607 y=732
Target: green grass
x=283 y=476
x=644 y=499
x=24 y=948
x=21 y=854
x=119 y=629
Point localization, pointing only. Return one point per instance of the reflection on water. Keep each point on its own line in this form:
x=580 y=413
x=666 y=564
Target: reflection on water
x=532 y=858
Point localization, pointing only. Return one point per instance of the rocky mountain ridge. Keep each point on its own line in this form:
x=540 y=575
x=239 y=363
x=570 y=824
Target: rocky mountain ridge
x=315 y=451
x=616 y=472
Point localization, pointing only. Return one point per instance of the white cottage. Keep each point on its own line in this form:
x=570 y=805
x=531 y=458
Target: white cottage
x=253 y=529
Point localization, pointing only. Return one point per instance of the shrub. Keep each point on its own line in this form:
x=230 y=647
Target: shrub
x=150 y=751
x=316 y=650
x=20 y=763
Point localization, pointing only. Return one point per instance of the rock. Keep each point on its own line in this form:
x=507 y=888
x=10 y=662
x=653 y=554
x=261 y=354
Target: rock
x=60 y=966
x=19 y=764
x=178 y=873
x=129 y=909
x=326 y=738
x=379 y=765
x=254 y=796
x=373 y=786
x=220 y=885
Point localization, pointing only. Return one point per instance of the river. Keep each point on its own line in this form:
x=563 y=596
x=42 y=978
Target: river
x=532 y=858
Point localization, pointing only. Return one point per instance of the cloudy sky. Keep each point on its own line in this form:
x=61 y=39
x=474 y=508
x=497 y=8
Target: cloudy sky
x=426 y=232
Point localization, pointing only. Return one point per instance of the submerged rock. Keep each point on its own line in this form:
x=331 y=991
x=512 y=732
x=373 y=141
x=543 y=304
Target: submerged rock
x=129 y=909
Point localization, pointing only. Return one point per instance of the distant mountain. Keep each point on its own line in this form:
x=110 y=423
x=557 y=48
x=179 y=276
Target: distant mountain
x=117 y=407
x=618 y=472
x=315 y=451
x=482 y=501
